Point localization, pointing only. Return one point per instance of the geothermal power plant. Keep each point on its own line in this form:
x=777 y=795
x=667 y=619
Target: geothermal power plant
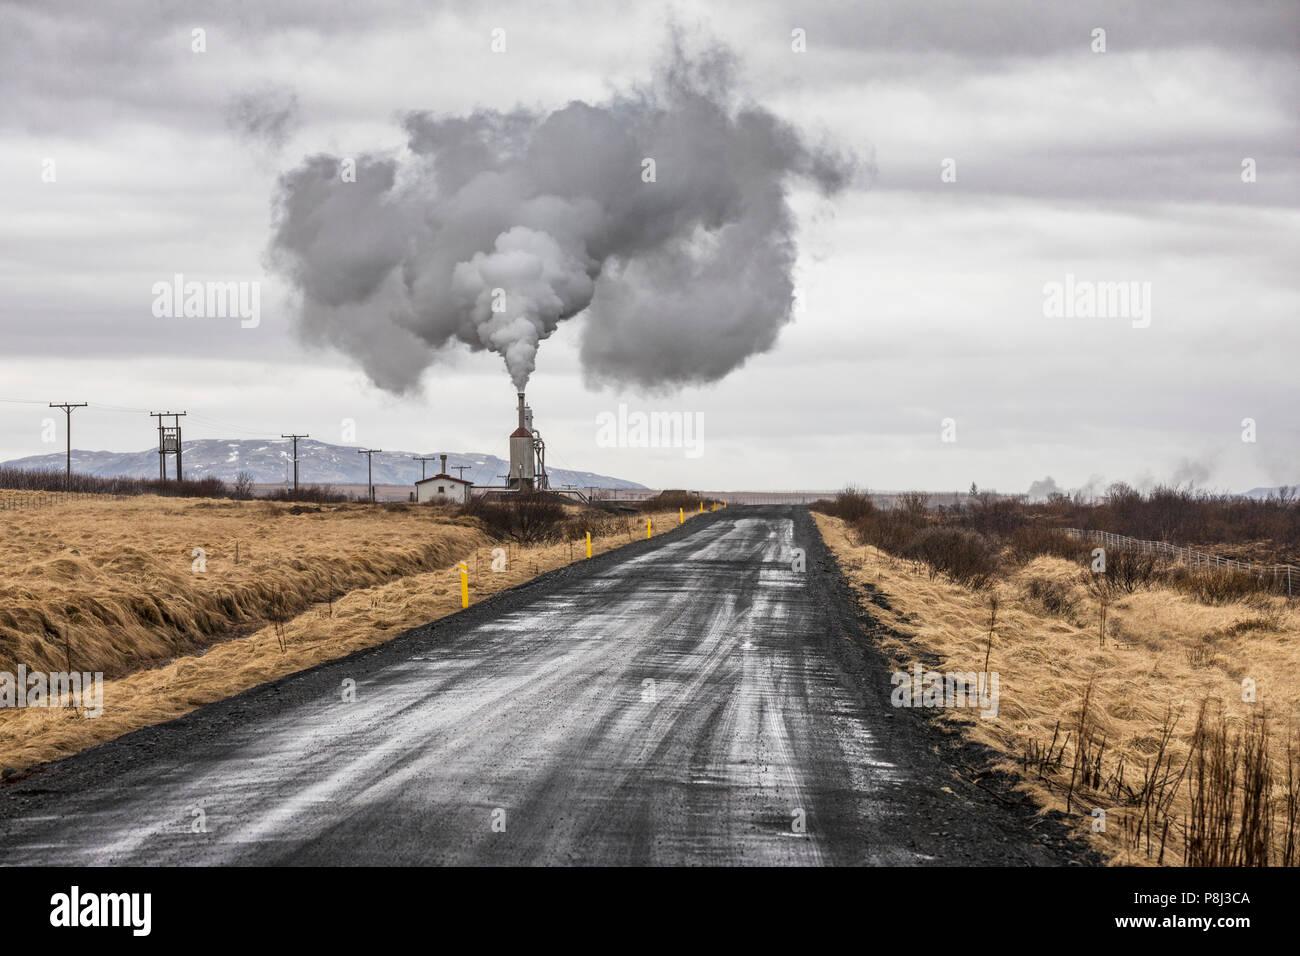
x=527 y=453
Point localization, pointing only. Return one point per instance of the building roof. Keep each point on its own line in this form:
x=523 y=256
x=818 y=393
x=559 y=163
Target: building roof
x=521 y=433
x=459 y=481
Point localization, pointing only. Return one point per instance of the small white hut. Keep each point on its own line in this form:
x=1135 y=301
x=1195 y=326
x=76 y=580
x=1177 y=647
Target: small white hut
x=442 y=488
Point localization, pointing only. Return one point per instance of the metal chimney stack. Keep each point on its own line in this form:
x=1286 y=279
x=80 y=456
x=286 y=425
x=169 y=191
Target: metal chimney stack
x=522 y=466
x=444 y=464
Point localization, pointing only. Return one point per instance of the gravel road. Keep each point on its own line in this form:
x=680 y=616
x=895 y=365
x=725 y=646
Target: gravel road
x=691 y=699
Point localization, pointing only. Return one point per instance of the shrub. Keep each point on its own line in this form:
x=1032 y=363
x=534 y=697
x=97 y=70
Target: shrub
x=243 y=488
x=1055 y=597
x=598 y=523
x=314 y=494
x=993 y=516
x=964 y=556
x=1129 y=570
x=851 y=505
x=1216 y=585
x=524 y=518
x=1033 y=539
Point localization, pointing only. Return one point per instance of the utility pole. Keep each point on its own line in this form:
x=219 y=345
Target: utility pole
x=67 y=410
x=460 y=470
x=370 y=480
x=167 y=438
x=295 y=458
x=422 y=461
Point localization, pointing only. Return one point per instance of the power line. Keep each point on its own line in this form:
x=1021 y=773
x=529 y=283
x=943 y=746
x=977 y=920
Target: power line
x=422 y=461
x=218 y=423
x=119 y=408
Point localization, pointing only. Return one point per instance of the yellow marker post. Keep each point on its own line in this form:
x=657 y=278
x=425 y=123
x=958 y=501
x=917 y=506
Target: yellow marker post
x=681 y=516
x=464 y=584
x=588 y=544
x=647 y=527
x=715 y=506
x=701 y=506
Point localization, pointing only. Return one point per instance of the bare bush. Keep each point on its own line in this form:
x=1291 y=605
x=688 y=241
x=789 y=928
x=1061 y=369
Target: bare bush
x=1130 y=570
x=243 y=488
x=524 y=518
x=963 y=556
x=851 y=505
x=1034 y=538
x=1216 y=585
x=1055 y=597
x=312 y=494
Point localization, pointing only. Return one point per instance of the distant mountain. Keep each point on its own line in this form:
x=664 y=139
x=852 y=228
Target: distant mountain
x=1272 y=492
x=318 y=463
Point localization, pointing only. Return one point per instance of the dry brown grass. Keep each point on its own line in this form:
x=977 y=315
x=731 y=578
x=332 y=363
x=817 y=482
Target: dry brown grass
x=307 y=588
x=112 y=583
x=1164 y=657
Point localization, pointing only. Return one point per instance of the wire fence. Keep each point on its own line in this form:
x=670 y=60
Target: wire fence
x=29 y=500
x=1281 y=575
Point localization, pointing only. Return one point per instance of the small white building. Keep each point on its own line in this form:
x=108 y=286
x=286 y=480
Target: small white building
x=443 y=488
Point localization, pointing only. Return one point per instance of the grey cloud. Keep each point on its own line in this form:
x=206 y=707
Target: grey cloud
x=265 y=117
x=997 y=28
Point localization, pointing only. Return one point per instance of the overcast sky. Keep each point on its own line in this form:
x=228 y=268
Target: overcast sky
x=920 y=299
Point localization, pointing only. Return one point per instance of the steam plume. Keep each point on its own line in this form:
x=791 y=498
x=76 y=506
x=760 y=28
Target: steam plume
x=493 y=228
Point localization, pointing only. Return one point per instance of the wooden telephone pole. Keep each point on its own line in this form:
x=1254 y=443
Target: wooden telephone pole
x=370 y=480
x=295 y=458
x=67 y=409
x=169 y=442
x=422 y=461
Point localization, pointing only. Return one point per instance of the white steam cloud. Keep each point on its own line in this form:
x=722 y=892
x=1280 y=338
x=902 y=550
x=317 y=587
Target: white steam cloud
x=493 y=228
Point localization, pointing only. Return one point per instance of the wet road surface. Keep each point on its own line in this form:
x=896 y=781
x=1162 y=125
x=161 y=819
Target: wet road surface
x=686 y=700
